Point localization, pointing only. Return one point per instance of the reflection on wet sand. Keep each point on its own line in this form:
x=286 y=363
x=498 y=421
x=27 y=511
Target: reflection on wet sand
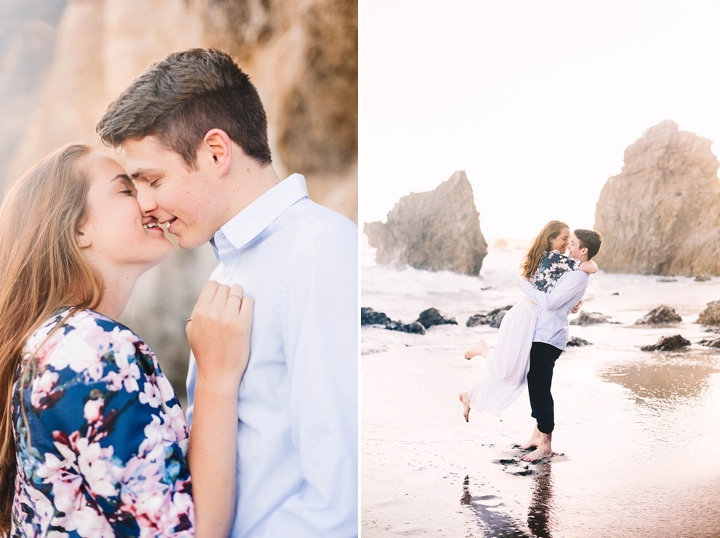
x=540 y=512
x=496 y=523
x=665 y=379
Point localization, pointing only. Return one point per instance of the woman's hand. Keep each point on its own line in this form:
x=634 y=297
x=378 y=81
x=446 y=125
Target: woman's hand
x=219 y=333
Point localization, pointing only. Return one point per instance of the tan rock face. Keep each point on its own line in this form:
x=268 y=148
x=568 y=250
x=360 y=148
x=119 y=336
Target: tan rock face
x=437 y=230
x=661 y=214
x=300 y=54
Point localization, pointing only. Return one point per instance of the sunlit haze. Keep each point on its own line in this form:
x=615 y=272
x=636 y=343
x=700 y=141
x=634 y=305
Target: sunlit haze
x=536 y=101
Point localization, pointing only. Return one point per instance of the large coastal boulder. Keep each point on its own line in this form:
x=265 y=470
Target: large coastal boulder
x=437 y=230
x=661 y=214
x=711 y=314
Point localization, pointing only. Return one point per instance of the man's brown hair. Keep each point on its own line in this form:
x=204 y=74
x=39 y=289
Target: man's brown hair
x=589 y=239
x=182 y=97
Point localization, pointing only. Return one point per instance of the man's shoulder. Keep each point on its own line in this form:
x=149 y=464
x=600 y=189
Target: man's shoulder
x=574 y=276
x=306 y=218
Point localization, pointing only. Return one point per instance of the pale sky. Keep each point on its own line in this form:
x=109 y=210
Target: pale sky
x=536 y=101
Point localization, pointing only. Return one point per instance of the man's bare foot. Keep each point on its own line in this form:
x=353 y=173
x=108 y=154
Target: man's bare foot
x=481 y=348
x=465 y=399
x=534 y=440
x=544 y=447
x=538 y=454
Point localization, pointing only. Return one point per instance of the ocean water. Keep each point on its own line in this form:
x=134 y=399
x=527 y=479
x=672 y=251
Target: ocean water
x=636 y=432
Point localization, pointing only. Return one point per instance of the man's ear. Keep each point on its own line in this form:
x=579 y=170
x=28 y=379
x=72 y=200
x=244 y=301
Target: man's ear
x=217 y=148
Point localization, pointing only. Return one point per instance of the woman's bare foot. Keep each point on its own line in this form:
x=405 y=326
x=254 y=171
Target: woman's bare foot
x=534 y=440
x=465 y=399
x=481 y=348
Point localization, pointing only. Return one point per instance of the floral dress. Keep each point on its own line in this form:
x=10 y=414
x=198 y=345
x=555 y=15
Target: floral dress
x=552 y=266
x=101 y=437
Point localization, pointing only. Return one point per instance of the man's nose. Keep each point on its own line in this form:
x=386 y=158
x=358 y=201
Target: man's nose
x=145 y=200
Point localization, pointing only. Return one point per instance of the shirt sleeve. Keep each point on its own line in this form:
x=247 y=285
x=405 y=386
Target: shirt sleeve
x=110 y=436
x=565 y=291
x=322 y=357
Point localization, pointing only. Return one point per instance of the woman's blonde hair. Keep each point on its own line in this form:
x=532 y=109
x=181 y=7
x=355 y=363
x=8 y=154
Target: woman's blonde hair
x=42 y=270
x=540 y=245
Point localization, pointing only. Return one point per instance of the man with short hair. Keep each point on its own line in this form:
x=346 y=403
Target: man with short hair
x=550 y=339
x=194 y=133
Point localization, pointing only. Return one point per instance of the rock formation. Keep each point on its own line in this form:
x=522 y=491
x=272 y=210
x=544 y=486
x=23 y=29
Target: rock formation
x=368 y=316
x=668 y=343
x=661 y=214
x=711 y=314
x=437 y=230
x=493 y=318
x=578 y=342
x=662 y=315
x=710 y=342
x=62 y=62
x=432 y=316
x=590 y=318
x=500 y=243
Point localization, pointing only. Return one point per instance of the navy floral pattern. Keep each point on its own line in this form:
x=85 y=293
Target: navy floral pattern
x=101 y=437
x=552 y=266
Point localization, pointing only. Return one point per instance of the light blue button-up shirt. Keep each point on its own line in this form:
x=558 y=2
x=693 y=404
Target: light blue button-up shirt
x=297 y=470
x=555 y=306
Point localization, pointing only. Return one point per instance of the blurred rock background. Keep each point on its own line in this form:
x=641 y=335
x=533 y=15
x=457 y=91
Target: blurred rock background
x=63 y=61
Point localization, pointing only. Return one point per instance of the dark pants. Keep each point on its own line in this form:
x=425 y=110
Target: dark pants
x=539 y=378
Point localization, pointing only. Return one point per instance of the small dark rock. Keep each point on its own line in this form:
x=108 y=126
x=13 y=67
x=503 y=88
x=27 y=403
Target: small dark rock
x=413 y=328
x=668 y=343
x=590 y=318
x=578 y=342
x=492 y=318
x=432 y=316
x=702 y=278
x=368 y=316
x=662 y=315
x=710 y=342
x=616 y=293
x=667 y=279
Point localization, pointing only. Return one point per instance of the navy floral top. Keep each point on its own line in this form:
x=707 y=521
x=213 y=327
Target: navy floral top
x=552 y=266
x=102 y=441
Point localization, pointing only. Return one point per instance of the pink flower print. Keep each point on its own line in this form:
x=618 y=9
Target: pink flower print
x=126 y=377
x=150 y=395
x=93 y=410
x=42 y=388
x=166 y=391
x=86 y=521
x=95 y=464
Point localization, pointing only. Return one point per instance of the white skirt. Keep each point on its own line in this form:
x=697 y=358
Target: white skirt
x=507 y=366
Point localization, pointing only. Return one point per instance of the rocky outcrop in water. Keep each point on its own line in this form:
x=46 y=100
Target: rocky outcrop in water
x=432 y=316
x=668 y=343
x=493 y=318
x=711 y=314
x=368 y=316
x=590 y=318
x=661 y=214
x=710 y=342
x=437 y=230
x=578 y=342
x=662 y=315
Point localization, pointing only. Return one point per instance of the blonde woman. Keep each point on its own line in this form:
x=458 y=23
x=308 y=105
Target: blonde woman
x=93 y=441
x=505 y=375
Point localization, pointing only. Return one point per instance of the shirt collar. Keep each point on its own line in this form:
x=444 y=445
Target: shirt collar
x=255 y=218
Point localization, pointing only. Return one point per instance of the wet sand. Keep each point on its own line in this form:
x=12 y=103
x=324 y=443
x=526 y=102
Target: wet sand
x=637 y=431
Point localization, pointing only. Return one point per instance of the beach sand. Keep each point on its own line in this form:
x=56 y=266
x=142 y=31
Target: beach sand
x=636 y=432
